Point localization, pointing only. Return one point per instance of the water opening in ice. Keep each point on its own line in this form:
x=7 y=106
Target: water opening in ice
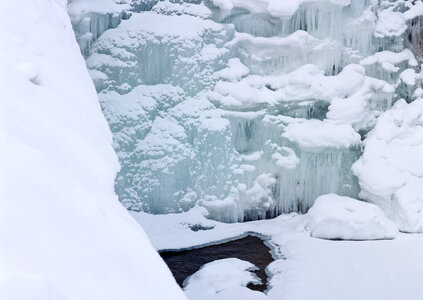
x=250 y=248
x=199 y=227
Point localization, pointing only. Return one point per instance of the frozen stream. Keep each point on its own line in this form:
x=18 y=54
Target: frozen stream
x=250 y=248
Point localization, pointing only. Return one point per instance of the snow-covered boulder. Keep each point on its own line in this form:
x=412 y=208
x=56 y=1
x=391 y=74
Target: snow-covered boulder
x=390 y=172
x=338 y=217
x=221 y=277
x=63 y=233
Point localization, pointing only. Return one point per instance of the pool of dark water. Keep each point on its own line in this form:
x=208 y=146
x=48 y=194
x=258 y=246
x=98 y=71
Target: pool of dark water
x=250 y=248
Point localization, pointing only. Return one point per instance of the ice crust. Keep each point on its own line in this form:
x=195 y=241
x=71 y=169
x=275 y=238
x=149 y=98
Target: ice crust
x=248 y=108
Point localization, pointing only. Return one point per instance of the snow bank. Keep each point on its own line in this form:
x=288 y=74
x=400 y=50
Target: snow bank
x=333 y=270
x=305 y=267
x=219 y=277
x=63 y=233
x=337 y=217
x=391 y=169
x=178 y=231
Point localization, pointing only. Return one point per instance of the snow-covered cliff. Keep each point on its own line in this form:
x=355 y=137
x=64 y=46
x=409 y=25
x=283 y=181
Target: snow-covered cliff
x=63 y=232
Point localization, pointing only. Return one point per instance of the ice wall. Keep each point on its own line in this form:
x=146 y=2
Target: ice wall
x=63 y=232
x=90 y=18
x=250 y=108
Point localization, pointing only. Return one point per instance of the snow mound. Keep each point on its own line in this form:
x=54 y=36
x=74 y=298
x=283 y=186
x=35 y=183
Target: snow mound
x=220 y=276
x=338 y=217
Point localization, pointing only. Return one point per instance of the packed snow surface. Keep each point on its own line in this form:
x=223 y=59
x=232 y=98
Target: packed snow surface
x=305 y=267
x=336 y=217
x=63 y=233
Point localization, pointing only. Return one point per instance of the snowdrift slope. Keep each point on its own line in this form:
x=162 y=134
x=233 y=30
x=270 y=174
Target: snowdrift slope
x=63 y=233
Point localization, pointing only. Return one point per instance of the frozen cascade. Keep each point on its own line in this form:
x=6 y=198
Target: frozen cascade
x=91 y=18
x=248 y=108
x=91 y=26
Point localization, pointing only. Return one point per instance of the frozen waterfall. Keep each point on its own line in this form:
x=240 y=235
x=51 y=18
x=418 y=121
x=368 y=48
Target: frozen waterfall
x=248 y=108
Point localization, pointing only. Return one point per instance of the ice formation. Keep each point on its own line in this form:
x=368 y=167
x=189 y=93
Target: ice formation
x=249 y=108
x=63 y=232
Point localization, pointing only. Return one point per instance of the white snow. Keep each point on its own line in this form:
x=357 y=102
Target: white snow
x=388 y=58
x=391 y=167
x=336 y=217
x=236 y=110
x=236 y=294
x=157 y=25
x=409 y=77
x=219 y=277
x=363 y=107
x=330 y=270
x=275 y=8
x=78 y=8
x=235 y=70
x=305 y=83
x=390 y=23
x=316 y=133
x=171 y=8
x=63 y=233
x=306 y=267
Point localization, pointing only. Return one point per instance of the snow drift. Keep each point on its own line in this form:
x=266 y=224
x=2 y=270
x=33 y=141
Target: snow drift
x=63 y=233
x=337 y=217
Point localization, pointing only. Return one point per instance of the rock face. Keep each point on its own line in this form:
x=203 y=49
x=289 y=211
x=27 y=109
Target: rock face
x=248 y=108
x=63 y=232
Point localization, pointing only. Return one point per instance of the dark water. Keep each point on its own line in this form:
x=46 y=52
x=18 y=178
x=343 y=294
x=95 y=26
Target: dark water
x=250 y=248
